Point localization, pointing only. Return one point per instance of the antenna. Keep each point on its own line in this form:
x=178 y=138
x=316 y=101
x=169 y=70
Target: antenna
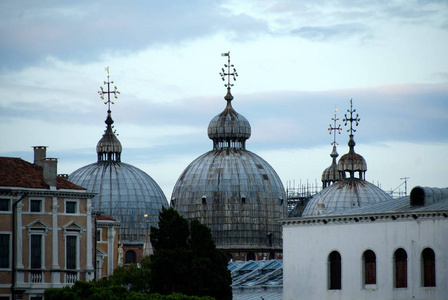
x=229 y=74
x=405 y=185
x=108 y=92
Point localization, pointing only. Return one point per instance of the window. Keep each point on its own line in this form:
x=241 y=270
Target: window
x=250 y=256
x=35 y=205
x=129 y=258
x=36 y=251
x=429 y=267
x=401 y=268
x=71 y=207
x=4 y=250
x=334 y=264
x=369 y=258
x=71 y=252
x=4 y=205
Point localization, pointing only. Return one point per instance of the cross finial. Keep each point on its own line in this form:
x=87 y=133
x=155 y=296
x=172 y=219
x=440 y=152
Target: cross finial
x=108 y=92
x=229 y=73
x=351 y=119
x=335 y=129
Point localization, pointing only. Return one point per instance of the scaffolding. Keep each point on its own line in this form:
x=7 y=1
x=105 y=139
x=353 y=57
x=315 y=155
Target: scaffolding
x=300 y=194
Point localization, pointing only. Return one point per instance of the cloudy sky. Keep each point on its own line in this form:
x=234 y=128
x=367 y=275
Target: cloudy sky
x=297 y=61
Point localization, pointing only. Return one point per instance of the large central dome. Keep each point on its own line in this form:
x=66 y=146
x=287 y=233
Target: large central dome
x=233 y=191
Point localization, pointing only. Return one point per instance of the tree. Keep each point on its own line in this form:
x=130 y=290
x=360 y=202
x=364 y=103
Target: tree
x=186 y=259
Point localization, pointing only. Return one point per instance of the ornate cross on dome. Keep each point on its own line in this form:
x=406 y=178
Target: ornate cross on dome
x=335 y=129
x=108 y=92
x=351 y=119
x=229 y=74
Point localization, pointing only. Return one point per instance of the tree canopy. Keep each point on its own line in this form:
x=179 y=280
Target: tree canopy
x=186 y=259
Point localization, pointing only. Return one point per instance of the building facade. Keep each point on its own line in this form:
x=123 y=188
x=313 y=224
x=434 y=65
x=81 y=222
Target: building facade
x=389 y=250
x=46 y=228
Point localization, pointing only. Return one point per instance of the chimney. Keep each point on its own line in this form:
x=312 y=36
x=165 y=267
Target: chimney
x=40 y=153
x=50 y=166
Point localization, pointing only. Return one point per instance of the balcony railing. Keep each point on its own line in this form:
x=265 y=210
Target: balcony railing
x=36 y=276
x=71 y=277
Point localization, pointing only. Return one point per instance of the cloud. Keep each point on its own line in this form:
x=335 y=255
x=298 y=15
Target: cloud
x=83 y=31
x=333 y=32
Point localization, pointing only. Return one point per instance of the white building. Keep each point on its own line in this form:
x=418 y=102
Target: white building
x=396 y=249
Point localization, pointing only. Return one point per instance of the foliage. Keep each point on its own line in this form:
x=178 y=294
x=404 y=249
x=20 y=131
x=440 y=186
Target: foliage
x=133 y=277
x=89 y=291
x=186 y=259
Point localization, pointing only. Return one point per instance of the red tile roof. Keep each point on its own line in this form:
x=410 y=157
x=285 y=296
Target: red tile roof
x=16 y=172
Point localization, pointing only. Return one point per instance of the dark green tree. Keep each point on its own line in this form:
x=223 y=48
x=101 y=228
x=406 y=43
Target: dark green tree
x=186 y=259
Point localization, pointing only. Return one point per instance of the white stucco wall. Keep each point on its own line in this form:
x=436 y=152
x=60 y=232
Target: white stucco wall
x=306 y=248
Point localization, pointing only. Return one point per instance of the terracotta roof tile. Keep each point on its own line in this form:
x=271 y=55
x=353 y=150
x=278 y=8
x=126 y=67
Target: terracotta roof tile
x=16 y=172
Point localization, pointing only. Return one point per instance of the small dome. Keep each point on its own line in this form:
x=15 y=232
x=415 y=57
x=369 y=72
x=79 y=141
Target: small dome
x=229 y=127
x=331 y=174
x=345 y=194
x=109 y=147
x=352 y=162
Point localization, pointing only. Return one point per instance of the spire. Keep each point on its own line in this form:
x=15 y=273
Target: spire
x=331 y=174
x=229 y=75
x=109 y=147
x=352 y=162
x=356 y=119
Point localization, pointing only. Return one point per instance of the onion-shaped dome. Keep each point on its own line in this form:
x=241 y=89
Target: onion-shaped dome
x=345 y=194
x=352 y=162
x=233 y=191
x=331 y=174
x=125 y=192
x=109 y=144
x=229 y=127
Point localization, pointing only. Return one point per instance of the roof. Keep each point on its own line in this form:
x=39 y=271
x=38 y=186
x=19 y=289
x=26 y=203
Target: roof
x=16 y=172
x=257 y=279
x=401 y=208
x=343 y=195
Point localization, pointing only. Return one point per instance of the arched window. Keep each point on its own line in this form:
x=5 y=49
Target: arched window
x=401 y=268
x=229 y=257
x=250 y=256
x=429 y=267
x=369 y=258
x=129 y=257
x=334 y=270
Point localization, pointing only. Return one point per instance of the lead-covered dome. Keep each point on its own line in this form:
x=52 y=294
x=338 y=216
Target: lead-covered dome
x=124 y=192
x=229 y=126
x=350 y=190
x=233 y=191
x=345 y=194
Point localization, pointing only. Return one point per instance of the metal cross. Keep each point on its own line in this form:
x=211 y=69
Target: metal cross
x=351 y=119
x=335 y=129
x=108 y=92
x=228 y=74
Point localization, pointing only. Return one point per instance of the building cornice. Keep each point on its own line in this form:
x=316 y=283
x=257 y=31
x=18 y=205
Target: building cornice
x=365 y=218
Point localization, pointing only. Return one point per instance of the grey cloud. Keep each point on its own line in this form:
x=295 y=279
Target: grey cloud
x=332 y=32
x=82 y=31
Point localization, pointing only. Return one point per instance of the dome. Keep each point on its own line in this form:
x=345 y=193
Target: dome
x=345 y=194
x=108 y=145
x=350 y=191
x=331 y=174
x=352 y=162
x=124 y=192
x=233 y=191
x=237 y=194
x=229 y=126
